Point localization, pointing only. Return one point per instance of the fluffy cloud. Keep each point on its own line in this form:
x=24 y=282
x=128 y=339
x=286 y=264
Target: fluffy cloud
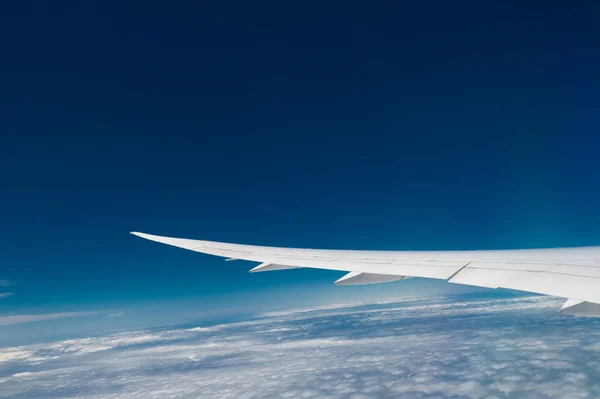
x=497 y=348
x=5 y=294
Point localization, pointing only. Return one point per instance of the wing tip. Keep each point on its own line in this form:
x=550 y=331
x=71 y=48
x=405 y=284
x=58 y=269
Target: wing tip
x=142 y=235
x=152 y=237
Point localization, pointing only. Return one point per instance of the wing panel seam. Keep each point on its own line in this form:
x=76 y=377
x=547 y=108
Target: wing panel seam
x=458 y=271
x=527 y=271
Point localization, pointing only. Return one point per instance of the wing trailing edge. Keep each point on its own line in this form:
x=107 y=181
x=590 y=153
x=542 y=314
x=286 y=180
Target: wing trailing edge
x=360 y=278
x=267 y=267
x=580 y=308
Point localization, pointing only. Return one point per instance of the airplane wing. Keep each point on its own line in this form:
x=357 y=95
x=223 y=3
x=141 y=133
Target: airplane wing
x=572 y=273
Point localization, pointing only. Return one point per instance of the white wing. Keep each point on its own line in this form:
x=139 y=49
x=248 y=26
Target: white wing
x=572 y=273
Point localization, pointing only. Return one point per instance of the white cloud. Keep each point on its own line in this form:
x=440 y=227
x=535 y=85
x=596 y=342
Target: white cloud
x=6 y=283
x=497 y=348
x=115 y=314
x=29 y=318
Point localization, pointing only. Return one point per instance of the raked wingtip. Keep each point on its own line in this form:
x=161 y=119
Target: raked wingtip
x=177 y=242
x=142 y=235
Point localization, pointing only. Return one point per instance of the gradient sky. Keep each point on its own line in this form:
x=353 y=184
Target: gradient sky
x=387 y=125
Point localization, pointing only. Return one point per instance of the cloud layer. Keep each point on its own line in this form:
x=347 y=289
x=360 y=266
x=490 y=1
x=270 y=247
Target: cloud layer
x=30 y=318
x=496 y=348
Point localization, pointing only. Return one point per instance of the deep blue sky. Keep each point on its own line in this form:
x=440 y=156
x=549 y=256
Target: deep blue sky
x=371 y=125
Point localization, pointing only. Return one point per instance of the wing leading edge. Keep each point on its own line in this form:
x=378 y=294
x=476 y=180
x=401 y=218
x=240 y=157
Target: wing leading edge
x=572 y=273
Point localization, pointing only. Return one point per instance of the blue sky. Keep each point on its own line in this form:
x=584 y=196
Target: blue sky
x=389 y=126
